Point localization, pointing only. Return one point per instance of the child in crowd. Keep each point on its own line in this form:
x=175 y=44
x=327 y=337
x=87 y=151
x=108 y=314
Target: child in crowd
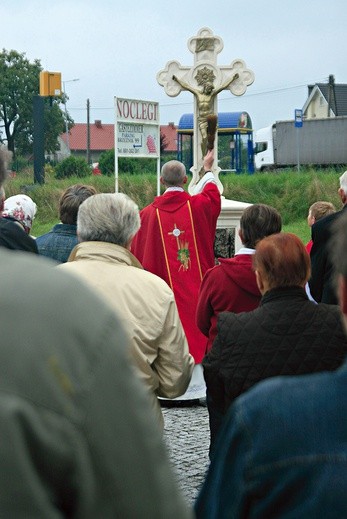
x=317 y=211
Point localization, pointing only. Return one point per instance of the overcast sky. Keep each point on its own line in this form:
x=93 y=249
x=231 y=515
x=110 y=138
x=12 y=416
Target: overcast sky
x=116 y=48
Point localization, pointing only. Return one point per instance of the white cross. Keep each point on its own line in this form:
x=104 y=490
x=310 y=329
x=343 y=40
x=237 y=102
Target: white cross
x=205 y=80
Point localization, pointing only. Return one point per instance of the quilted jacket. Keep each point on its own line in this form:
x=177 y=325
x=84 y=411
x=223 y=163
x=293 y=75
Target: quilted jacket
x=286 y=335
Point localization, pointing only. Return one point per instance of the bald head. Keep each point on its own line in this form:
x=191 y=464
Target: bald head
x=173 y=174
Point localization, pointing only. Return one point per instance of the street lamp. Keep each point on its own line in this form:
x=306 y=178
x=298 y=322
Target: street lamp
x=66 y=122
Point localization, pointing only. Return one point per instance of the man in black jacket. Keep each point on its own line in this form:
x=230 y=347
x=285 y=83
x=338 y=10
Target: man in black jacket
x=321 y=286
x=286 y=335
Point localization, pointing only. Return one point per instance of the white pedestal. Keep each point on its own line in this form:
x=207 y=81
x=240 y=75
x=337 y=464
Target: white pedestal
x=229 y=217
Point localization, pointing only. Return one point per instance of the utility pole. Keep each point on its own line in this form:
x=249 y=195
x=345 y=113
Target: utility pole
x=88 y=131
x=65 y=109
x=50 y=86
x=39 y=139
x=331 y=95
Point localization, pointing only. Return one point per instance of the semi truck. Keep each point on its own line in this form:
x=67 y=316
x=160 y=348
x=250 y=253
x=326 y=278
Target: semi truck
x=319 y=142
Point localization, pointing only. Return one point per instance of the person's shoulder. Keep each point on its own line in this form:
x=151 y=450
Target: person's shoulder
x=45 y=236
x=325 y=222
x=145 y=211
x=320 y=232
x=14 y=237
x=232 y=324
x=9 y=224
x=152 y=205
x=209 y=197
x=280 y=393
x=220 y=271
x=49 y=287
x=326 y=308
x=328 y=312
x=211 y=189
x=235 y=261
x=226 y=319
x=29 y=268
x=213 y=272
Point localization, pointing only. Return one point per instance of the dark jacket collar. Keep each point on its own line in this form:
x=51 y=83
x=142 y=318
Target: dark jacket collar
x=293 y=292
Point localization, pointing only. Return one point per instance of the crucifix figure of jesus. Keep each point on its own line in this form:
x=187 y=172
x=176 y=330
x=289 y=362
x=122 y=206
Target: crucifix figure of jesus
x=205 y=98
x=205 y=80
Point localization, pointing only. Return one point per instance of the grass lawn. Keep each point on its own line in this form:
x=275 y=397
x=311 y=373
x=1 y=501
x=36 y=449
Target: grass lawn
x=289 y=192
x=300 y=228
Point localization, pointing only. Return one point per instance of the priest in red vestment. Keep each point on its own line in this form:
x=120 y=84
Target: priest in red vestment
x=176 y=241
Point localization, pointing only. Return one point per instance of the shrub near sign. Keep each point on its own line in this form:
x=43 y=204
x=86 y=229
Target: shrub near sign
x=137 y=131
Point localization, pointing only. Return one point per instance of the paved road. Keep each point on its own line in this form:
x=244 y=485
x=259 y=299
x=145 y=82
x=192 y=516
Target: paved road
x=187 y=437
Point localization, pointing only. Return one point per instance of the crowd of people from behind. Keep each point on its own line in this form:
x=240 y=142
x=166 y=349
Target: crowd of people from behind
x=122 y=309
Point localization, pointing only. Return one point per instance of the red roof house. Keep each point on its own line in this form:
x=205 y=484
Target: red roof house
x=169 y=134
x=102 y=139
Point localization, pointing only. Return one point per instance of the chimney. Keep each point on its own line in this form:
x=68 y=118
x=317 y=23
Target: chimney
x=310 y=88
x=172 y=125
x=97 y=123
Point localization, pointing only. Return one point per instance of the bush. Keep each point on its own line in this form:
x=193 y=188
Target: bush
x=128 y=165
x=72 y=167
x=19 y=163
x=106 y=163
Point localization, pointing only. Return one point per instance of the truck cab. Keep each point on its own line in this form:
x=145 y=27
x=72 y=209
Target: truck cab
x=264 y=149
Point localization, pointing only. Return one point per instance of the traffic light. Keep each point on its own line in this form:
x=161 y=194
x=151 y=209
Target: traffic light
x=50 y=83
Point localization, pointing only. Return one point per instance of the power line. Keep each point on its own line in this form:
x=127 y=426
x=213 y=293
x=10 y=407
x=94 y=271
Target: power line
x=188 y=103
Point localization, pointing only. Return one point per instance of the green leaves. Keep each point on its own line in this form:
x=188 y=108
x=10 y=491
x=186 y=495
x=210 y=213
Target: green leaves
x=19 y=84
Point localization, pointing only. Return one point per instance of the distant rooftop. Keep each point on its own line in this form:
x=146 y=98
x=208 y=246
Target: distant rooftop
x=102 y=136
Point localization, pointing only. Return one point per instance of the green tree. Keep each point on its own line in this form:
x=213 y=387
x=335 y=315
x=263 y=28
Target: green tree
x=19 y=83
x=54 y=121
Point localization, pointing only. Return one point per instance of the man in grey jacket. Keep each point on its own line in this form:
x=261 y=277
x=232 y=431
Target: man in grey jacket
x=77 y=434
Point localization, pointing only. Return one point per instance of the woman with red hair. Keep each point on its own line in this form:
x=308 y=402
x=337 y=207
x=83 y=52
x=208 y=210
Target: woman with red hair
x=286 y=335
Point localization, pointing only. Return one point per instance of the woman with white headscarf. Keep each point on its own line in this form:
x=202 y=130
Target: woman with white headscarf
x=15 y=224
x=22 y=209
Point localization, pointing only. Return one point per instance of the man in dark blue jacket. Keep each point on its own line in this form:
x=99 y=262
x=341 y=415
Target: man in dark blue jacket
x=59 y=242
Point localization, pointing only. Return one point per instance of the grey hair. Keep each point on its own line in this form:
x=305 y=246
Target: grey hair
x=173 y=173
x=343 y=182
x=108 y=217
